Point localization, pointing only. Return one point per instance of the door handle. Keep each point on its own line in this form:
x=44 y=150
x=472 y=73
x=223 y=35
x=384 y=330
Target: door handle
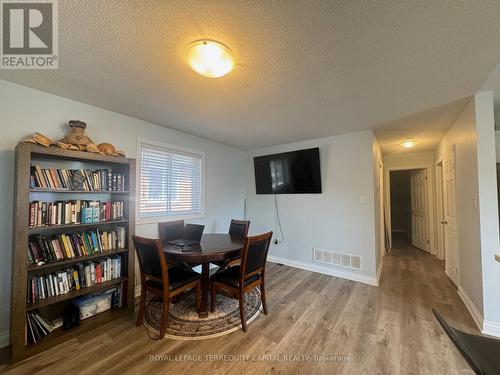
x=444 y=222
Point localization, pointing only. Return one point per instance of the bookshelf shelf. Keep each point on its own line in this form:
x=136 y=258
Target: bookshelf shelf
x=75 y=293
x=47 y=228
x=65 y=262
x=59 y=335
x=31 y=155
x=67 y=191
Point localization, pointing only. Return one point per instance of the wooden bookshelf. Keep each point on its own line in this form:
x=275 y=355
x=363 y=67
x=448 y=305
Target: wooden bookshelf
x=66 y=262
x=60 y=336
x=75 y=293
x=48 y=228
x=44 y=190
x=28 y=155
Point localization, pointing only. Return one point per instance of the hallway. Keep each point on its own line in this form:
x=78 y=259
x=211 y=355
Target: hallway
x=415 y=282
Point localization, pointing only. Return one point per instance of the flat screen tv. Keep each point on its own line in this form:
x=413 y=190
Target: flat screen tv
x=296 y=172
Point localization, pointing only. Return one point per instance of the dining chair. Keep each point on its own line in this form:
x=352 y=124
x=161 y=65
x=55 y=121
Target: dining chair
x=161 y=281
x=238 y=280
x=171 y=230
x=481 y=353
x=239 y=229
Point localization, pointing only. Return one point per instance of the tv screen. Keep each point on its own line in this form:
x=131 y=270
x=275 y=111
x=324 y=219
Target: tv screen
x=296 y=172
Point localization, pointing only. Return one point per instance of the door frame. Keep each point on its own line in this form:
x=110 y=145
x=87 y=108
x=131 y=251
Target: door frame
x=431 y=222
x=440 y=235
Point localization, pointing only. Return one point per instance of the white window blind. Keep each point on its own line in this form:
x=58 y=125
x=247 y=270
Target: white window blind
x=170 y=182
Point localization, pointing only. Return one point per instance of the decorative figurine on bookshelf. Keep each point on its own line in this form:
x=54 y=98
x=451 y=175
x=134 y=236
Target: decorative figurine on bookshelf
x=76 y=139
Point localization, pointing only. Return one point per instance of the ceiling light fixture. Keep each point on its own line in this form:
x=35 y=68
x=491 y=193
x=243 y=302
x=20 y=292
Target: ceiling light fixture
x=210 y=58
x=409 y=143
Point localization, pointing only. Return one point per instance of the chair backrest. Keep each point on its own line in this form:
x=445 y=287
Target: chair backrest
x=193 y=232
x=171 y=230
x=481 y=353
x=152 y=261
x=254 y=255
x=239 y=228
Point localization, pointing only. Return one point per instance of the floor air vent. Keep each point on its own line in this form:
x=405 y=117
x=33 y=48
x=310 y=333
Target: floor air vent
x=336 y=259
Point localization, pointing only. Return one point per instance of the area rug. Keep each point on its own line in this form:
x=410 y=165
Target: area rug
x=184 y=324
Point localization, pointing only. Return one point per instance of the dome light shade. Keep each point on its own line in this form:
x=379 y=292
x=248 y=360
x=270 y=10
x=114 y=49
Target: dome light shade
x=409 y=143
x=210 y=58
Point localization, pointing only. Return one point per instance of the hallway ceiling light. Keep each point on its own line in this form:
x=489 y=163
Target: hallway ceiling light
x=409 y=143
x=210 y=58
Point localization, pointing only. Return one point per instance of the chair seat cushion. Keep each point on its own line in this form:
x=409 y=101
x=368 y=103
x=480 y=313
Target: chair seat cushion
x=231 y=277
x=177 y=277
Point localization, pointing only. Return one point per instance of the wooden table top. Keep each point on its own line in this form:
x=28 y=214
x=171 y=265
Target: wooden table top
x=212 y=248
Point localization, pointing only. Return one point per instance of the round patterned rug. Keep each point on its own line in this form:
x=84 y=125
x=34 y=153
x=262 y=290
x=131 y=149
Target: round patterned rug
x=183 y=322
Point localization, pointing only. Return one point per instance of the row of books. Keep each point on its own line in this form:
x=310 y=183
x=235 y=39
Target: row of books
x=77 y=179
x=37 y=326
x=81 y=275
x=74 y=212
x=45 y=249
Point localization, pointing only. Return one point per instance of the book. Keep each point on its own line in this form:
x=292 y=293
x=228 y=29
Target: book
x=77 y=179
x=52 y=248
x=74 y=212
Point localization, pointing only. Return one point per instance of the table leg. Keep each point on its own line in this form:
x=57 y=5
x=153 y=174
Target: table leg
x=205 y=274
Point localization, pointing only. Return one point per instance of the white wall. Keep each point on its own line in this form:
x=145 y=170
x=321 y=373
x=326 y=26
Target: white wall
x=24 y=110
x=334 y=220
x=488 y=211
x=463 y=135
x=409 y=160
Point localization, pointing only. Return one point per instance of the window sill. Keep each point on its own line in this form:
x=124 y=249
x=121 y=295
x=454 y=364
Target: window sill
x=156 y=220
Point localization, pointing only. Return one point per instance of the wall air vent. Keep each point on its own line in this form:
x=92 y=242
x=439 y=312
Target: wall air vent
x=336 y=259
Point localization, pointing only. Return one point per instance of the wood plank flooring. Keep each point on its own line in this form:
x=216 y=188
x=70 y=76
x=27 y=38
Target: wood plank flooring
x=357 y=328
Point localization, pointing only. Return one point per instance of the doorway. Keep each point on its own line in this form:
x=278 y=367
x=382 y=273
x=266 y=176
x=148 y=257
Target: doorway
x=409 y=207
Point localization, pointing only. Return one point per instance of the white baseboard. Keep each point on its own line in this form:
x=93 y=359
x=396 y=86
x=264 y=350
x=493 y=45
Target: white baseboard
x=491 y=328
x=325 y=270
x=474 y=312
x=4 y=339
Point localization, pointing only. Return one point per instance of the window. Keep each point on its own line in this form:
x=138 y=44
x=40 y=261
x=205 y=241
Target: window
x=170 y=182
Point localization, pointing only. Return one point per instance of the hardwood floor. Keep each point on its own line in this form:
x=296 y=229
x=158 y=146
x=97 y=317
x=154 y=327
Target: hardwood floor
x=359 y=329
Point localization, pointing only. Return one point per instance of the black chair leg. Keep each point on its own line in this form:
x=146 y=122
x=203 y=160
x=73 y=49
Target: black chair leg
x=213 y=294
x=198 y=299
x=263 y=297
x=241 y=300
x=142 y=306
x=164 y=317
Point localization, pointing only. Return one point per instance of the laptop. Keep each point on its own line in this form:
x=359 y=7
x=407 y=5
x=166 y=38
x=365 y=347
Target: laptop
x=192 y=235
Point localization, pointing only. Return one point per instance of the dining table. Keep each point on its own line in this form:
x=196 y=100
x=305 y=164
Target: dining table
x=213 y=247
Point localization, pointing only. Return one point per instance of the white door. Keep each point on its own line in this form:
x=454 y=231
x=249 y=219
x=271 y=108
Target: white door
x=418 y=193
x=449 y=205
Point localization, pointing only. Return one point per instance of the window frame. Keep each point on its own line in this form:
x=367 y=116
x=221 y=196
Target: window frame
x=167 y=148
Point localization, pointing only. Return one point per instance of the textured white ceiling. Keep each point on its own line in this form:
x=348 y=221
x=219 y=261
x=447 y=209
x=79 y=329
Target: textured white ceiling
x=306 y=69
x=427 y=127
